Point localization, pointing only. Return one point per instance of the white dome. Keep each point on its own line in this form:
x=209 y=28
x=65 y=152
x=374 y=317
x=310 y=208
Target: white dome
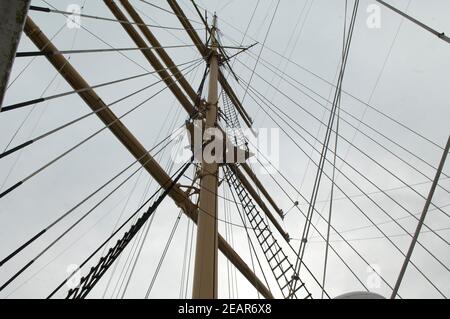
x=360 y=295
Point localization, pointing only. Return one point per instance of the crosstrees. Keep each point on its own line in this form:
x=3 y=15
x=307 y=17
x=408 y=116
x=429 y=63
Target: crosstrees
x=203 y=50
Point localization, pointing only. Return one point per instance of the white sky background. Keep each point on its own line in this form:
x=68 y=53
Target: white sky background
x=413 y=88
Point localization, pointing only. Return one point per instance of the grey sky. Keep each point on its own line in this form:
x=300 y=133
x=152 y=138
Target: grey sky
x=413 y=88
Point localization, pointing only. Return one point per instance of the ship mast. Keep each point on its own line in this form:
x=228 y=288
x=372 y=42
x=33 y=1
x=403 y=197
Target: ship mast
x=205 y=271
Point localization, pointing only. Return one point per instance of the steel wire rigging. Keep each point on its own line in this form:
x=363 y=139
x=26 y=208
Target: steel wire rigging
x=244 y=195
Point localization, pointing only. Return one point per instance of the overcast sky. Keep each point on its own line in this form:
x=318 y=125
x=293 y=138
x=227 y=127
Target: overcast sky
x=398 y=69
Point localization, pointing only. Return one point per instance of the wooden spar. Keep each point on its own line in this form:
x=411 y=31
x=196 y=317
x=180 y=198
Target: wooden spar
x=159 y=50
x=203 y=51
x=150 y=56
x=242 y=266
x=12 y=19
x=206 y=258
x=188 y=26
x=75 y=80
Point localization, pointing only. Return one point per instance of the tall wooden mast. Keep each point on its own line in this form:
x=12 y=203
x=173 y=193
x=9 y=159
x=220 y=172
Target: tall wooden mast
x=205 y=271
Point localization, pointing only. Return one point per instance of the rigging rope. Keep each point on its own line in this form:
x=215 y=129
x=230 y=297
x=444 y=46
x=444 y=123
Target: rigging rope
x=185 y=255
x=48 y=10
x=54 y=223
x=95 y=274
x=18 y=184
x=262 y=48
x=330 y=127
x=139 y=246
x=383 y=167
x=406 y=127
x=360 y=122
x=108 y=106
x=163 y=256
x=80 y=25
x=358 y=187
x=359 y=208
x=323 y=155
x=29 y=242
x=143 y=235
x=333 y=177
x=374 y=237
x=168 y=11
x=291 y=38
x=303 y=214
x=116 y=224
x=63 y=52
x=51 y=97
x=22 y=71
x=197 y=101
x=138 y=243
